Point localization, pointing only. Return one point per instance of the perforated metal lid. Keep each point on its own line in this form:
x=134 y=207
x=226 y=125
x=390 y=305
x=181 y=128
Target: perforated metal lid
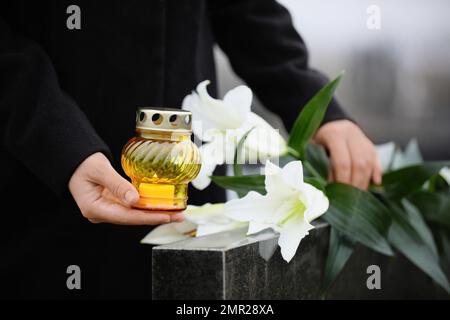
x=164 y=119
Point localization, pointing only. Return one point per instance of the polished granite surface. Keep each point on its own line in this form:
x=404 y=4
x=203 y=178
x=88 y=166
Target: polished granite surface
x=231 y=265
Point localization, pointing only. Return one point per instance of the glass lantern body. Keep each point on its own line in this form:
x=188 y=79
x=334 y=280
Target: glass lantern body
x=160 y=165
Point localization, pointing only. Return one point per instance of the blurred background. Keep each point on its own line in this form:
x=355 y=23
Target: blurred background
x=397 y=82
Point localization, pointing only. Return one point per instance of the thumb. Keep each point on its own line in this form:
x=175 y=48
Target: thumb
x=117 y=185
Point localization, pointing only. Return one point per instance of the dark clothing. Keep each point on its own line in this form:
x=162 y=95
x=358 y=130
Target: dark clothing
x=65 y=94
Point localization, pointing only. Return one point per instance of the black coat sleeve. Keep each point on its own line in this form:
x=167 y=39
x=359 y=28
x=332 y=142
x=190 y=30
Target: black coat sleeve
x=267 y=52
x=40 y=125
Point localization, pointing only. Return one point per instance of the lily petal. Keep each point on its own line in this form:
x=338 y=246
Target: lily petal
x=239 y=101
x=291 y=235
x=315 y=200
x=210 y=159
x=274 y=182
x=291 y=207
x=208 y=114
x=216 y=111
x=171 y=232
x=210 y=218
x=292 y=174
x=206 y=213
x=264 y=141
x=252 y=207
x=255 y=227
x=199 y=125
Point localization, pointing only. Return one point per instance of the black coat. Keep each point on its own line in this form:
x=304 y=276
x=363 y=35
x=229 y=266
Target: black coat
x=65 y=94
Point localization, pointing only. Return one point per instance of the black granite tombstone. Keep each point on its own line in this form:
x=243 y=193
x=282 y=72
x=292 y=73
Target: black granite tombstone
x=231 y=265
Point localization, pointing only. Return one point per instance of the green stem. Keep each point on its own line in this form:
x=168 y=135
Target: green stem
x=307 y=165
x=294 y=153
x=314 y=172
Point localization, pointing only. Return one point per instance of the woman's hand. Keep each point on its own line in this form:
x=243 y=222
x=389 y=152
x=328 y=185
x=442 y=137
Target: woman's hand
x=105 y=196
x=353 y=156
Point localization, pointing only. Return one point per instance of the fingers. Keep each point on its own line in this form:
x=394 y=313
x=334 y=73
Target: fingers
x=340 y=161
x=116 y=213
x=176 y=217
x=377 y=175
x=116 y=184
x=353 y=157
x=362 y=161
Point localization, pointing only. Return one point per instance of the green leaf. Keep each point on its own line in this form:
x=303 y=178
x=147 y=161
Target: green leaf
x=438 y=184
x=418 y=223
x=315 y=182
x=241 y=184
x=443 y=238
x=435 y=207
x=404 y=181
x=237 y=167
x=359 y=215
x=339 y=251
x=310 y=118
x=317 y=157
x=310 y=171
x=405 y=238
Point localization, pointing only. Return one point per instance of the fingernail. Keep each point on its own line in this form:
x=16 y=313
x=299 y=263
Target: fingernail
x=130 y=197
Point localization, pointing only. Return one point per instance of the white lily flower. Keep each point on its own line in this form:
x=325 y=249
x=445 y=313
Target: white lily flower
x=200 y=221
x=222 y=123
x=288 y=207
